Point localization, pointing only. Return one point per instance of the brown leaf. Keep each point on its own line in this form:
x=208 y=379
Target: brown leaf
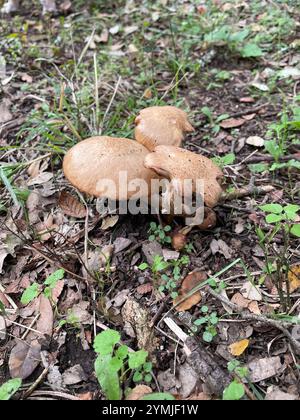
x=71 y=206
x=238 y=348
x=188 y=284
x=45 y=322
x=144 y=289
x=138 y=392
x=247 y=100
x=57 y=290
x=232 y=123
x=24 y=359
x=294 y=278
x=26 y=78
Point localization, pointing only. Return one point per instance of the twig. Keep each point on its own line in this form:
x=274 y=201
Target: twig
x=36 y=383
x=247 y=191
x=282 y=326
x=248 y=111
x=110 y=103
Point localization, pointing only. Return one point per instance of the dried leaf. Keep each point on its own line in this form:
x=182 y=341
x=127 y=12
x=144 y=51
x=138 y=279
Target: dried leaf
x=144 y=289
x=232 y=123
x=251 y=292
x=109 y=222
x=74 y=375
x=188 y=284
x=138 y=392
x=261 y=369
x=24 y=359
x=42 y=178
x=255 y=141
x=238 y=348
x=294 y=278
x=45 y=321
x=5 y=114
x=71 y=206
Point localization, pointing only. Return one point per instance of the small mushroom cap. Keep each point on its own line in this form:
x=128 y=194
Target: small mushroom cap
x=91 y=162
x=179 y=164
x=161 y=125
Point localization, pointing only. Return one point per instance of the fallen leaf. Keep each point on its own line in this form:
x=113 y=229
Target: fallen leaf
x=120 y=244
x=128 y=30
x=275 y=394
x=42 y=178
x=45 y=321
x=148 y=93
x=114 y=30
x=103 y=38
x=71 y=206
x=261 y=369
x=247 y=100
x=287 y=72
x=5 y=114
x=238 y=348
x=74 y=375
x=232 y=123
x=254 y=308
x=255 y=141
x=170 y=255
x=251 y=292
x=2 y=328
x=240 y=226
x=294 y=278
x=109 y=222
x=138 y=392
x=260 y=86
x=26 y=78
x=24 y=359
x=189 y=283
x=144 y=289
x=249 y=117
x=221 y=247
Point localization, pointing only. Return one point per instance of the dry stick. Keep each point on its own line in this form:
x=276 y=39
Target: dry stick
x=267 y=158
x=246 y=191
x=55 y=394
x=248 y=111
x=12 y=303
x=282 y=326
x=36 y=383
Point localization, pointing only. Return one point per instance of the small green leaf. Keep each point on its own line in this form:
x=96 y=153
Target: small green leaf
x=52 y=280
x=143 y=266
x=251 y=50
x=200 y=321
x=30 y=294
x=122 y=352
x=272 y=208
x=148 y=378
x=115 y=364
x=208 y=337
x=137 y=359
x=107 y=377
x=296 y=230
x=274 y=218
x=137 y=377
x=158 y=396
x=152 y=238
x=258 y=167
x=204 y=309
x=234 y=392
x=167 y=228
x=147 y=367
x=105 y=342
x=8 y=389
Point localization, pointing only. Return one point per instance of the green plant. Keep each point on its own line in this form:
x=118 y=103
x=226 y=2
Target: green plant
x=166 y=274
x=9 y=388
x=115 y=364
x=32 y=292
x=213 y=122
x=236 y=390
x=226 y=160
x=277 y=262
x=209 y=321
x=159 y=233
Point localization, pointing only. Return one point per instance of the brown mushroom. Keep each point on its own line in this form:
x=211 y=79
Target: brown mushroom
x=178 y=165
x=91 y=162
x=161 y=125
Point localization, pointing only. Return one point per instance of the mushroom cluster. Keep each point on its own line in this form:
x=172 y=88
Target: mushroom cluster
x=156 y=154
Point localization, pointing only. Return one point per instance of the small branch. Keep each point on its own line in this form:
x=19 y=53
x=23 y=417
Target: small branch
x=282 y=326
x=247 y=191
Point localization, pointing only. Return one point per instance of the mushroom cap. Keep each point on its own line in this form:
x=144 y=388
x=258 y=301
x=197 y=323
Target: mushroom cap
x=88 y=165
x=179 y=164
x=161 y=125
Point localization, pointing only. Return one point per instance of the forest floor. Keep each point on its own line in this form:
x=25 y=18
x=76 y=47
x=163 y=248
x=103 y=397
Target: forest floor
x=68 y=274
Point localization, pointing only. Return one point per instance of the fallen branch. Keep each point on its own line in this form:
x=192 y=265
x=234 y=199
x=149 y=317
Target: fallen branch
x=280 y=325
x=247 y=191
